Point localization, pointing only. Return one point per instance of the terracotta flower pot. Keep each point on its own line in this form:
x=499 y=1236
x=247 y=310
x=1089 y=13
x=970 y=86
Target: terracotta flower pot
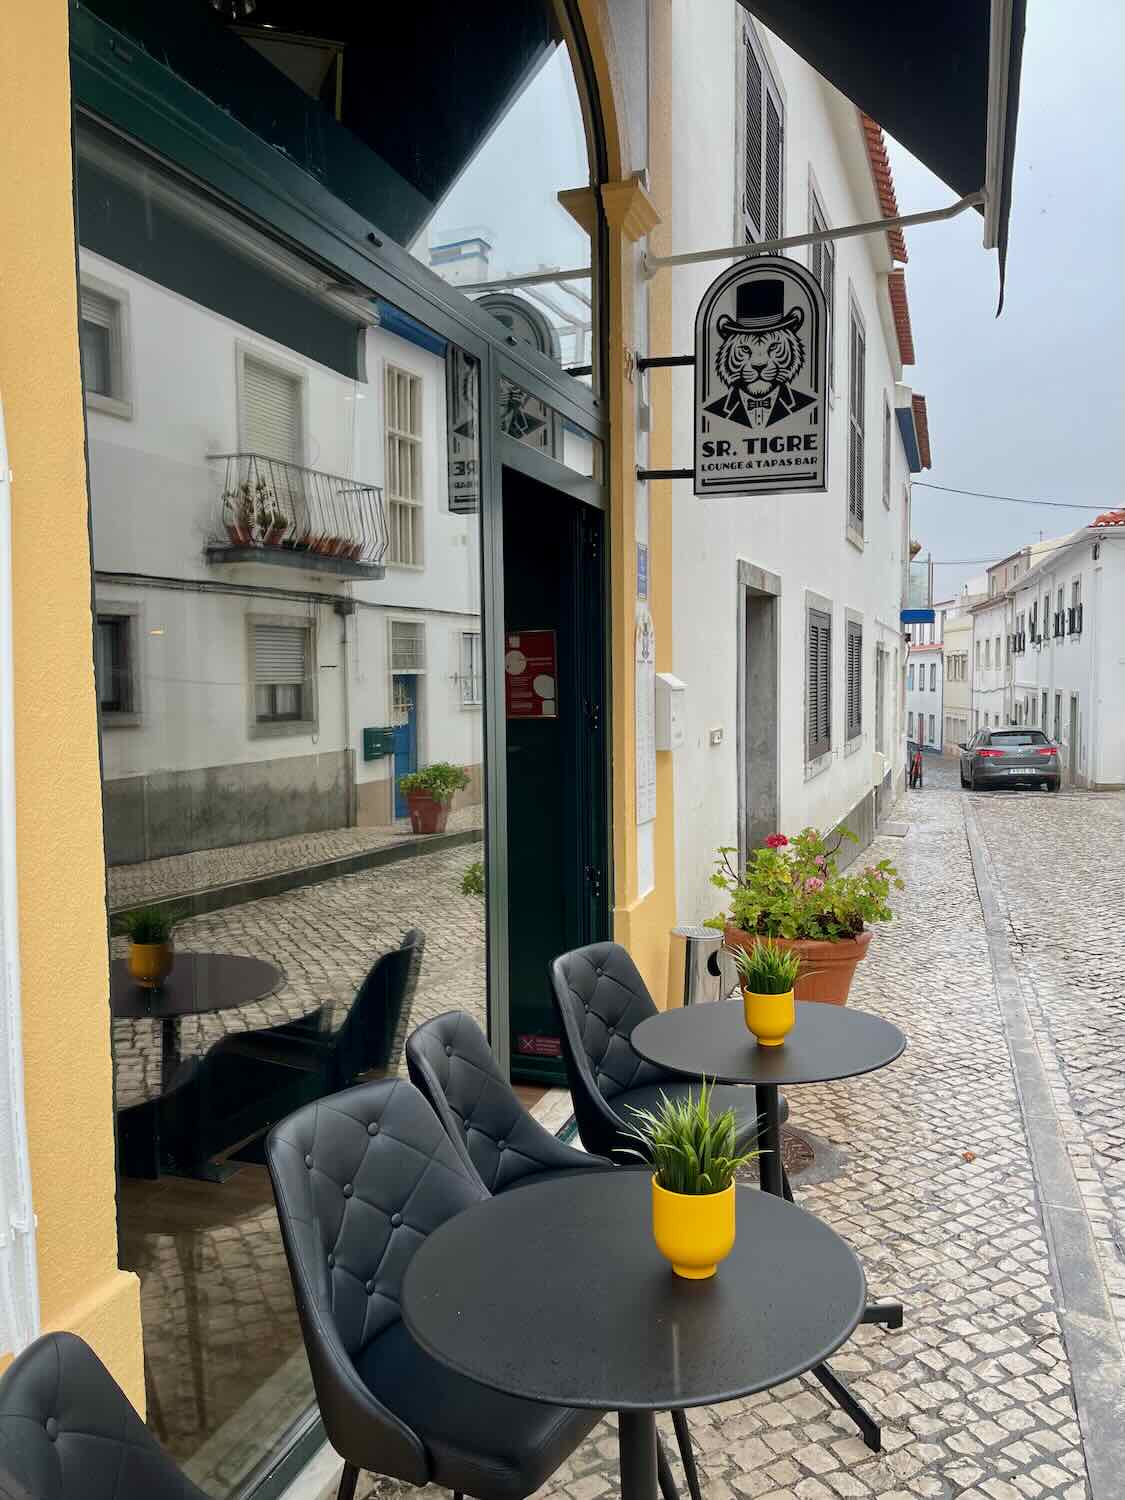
x=427 y=815
x=827 y=969
x=239 y=535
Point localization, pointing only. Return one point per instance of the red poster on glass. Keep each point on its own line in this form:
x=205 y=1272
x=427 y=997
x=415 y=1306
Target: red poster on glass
x=531 y=675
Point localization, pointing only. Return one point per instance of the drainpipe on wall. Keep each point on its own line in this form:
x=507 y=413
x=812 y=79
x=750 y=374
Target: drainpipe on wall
x=19 y=1286
x=345 y=608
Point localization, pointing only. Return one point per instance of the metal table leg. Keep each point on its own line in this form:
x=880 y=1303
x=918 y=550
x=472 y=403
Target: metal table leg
x=769 y=1138
x=636 y=1447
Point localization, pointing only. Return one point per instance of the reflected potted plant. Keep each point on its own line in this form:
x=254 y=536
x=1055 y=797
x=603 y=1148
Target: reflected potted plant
x=238 y=514
x=792 y=893
x=430 y=792
x=767 y=974
x=151 y=953
x=692 y=1151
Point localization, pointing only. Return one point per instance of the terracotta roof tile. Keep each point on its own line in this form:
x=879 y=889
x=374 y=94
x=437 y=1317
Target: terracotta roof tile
x=880 y=163
x=1111 y=518
x=922 y=428
x=896 y=286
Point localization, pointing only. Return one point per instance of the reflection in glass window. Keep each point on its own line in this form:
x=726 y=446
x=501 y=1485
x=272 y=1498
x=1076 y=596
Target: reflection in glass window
x=404 y=466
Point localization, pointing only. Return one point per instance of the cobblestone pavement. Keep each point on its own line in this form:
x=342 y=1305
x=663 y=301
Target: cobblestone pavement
x=181 y=874
x=936 y=1193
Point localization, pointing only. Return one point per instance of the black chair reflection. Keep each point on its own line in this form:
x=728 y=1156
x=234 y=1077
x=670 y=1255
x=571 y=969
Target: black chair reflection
x=214 y=1113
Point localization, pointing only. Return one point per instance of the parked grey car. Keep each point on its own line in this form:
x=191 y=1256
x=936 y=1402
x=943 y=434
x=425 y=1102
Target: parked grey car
x=1010 y=757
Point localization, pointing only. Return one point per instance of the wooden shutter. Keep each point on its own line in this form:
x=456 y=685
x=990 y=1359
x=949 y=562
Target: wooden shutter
x=752 y=143
x=271 y=411
x=772 y=188
x=280 y=654
x=854 y=679
x=819 y=685
x=856 y=382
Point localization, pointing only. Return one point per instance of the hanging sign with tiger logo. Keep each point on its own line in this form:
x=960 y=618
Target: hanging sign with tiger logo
x=761 y=381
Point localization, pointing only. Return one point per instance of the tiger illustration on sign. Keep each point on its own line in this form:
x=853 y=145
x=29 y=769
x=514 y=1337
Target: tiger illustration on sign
x=759 y=358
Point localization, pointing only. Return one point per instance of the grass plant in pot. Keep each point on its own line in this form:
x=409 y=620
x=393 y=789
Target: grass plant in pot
x=429 y=793
x=151 y=956
x=692 y=1151
x=793 y=893
x=767 y=974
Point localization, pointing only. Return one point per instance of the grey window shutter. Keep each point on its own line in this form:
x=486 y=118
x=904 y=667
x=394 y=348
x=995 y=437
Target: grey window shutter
x=854 y=667
x=752 y=145
x=280 y=654
x=819 y=689
x=771 y=209
x=271 y=411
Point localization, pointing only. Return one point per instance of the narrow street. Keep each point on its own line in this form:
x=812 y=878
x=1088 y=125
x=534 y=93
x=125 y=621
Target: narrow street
x=989 y=1198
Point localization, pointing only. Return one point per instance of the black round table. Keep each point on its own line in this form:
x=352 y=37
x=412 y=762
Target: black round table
x=827 y=1043
x=198 y=983
x=558 y=1293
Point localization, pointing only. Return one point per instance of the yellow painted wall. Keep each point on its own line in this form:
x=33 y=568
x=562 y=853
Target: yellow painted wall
x=66 y=1033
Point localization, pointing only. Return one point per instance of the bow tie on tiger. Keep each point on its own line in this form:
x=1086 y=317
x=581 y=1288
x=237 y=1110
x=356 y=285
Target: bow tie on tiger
x=759 y=356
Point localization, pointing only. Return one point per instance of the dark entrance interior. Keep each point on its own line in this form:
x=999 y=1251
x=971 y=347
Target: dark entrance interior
x=556 y=753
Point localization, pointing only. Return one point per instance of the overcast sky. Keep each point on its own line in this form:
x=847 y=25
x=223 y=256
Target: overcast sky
x=1032 y=404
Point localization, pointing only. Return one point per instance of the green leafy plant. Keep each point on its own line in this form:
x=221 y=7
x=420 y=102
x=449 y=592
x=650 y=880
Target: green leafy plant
x=150 y=924
x=766 y=969
x=792 y=888
x=472 y=882
x=440 y=781
x=692 y=1150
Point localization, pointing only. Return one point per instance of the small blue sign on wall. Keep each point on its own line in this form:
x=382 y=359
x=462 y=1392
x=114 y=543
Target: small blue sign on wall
x=642 y=570
x=916 y=616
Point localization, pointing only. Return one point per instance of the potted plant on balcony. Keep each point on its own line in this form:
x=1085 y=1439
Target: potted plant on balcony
x=692 y=1152
x=238 y=514
x=767 y=974
x=792 y=893
x=151 y=956
x=430 y=792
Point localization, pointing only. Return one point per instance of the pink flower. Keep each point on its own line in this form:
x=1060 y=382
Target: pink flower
x=814 y=883
x=820 y=860
x=776 y=841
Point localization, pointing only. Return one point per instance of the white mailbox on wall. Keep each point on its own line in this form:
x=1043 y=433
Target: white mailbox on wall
x=669 y=711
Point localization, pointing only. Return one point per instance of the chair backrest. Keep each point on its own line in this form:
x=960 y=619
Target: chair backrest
x=599 y=998
x=451 y=1063
x=68 y=1432
x=360 y=1180
x=365 y=1040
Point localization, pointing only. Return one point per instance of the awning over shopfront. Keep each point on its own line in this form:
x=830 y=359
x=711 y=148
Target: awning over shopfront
x=943 y=79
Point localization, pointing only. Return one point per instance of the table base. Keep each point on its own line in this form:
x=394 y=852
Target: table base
x=773 y=1178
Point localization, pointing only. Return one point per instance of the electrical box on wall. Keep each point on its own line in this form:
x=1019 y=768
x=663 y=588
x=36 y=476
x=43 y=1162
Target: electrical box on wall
x=378 y=743
x=669 y=711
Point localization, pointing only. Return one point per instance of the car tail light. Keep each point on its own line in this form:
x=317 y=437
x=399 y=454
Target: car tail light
x=1045 y=750
x=994 y=753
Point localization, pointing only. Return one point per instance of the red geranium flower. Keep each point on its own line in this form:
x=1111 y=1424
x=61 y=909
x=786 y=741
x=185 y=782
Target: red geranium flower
x=776 y=841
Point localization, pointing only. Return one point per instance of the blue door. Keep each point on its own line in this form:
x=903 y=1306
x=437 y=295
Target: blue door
x=404 y=697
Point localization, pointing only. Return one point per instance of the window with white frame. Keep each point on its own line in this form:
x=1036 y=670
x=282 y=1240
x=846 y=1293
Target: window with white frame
x=857 y=371
x=103 y=334
x=822 y=263
x=910 y=724
x=408 y=646
x=404 y=466
x=886 y=453
x=818 y=686
x=853 y=679
x=115 y=666
x=910 y=678
x=472 y=669
x=271 y=409
x=933 y=733
x=282 y=665
x=763 y=144
x=933 y=677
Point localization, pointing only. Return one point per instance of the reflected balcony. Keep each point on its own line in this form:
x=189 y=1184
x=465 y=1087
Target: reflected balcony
x=919 y=590
x=284 y=515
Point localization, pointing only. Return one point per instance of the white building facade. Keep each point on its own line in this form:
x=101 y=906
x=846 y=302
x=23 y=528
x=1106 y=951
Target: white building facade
x=925 y=688
x=786 y=608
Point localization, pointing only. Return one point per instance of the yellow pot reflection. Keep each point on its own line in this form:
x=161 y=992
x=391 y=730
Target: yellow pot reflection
x=150 y=963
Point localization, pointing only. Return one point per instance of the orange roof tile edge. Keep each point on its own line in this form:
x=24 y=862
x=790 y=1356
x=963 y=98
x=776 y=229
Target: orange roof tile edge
x=1111 y=518
x=896 y=287
x=922 y=428
x=880 y=164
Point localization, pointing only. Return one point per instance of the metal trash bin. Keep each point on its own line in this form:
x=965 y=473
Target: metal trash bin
x=693 y=975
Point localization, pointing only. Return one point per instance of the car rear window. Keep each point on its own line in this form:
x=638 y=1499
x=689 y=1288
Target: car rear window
x=1009 y=737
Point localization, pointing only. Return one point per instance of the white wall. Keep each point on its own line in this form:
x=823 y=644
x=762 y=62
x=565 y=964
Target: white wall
x=990 y=681
x=920 y=700
x=800 y=538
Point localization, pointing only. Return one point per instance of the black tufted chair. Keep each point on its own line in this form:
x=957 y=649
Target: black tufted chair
x=450 y=1061
x=68 y=1432
x=599 y=998
x=360 y=1180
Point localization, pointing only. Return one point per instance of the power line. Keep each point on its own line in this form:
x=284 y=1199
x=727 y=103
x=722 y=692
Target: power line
x=921 y=484
x=972 y=562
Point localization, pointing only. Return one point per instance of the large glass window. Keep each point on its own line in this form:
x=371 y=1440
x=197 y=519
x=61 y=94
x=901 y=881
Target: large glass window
x=287 y=567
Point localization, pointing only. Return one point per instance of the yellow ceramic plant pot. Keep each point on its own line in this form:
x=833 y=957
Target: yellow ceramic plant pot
x=770 y=1017
x=150 y=963
x=693 y=1231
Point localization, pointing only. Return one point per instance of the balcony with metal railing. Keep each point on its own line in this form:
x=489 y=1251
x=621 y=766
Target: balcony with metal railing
x=284 y=515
